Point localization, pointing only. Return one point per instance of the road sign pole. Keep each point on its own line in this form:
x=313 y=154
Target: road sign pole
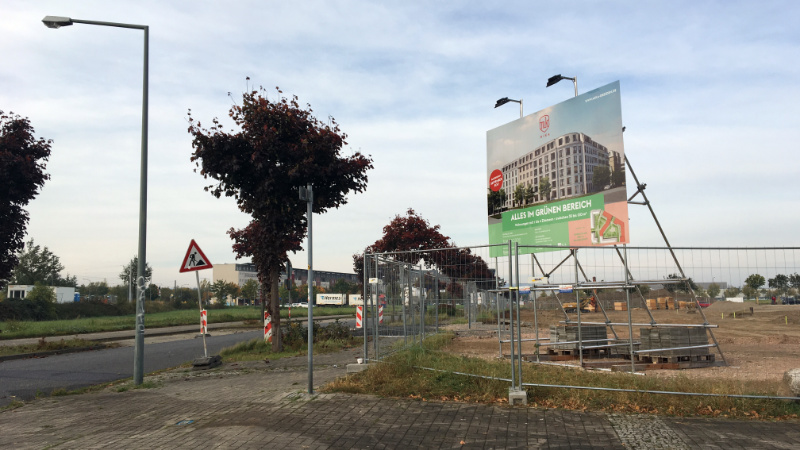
x=200 y=304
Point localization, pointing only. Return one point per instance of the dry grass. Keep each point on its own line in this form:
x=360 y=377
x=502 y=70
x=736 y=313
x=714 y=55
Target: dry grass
x=402 y=376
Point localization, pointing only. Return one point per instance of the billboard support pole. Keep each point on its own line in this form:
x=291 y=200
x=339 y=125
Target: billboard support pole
x=640 y=190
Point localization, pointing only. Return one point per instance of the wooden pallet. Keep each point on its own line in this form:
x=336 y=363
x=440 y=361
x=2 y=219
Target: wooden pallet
x=587 y=353
x=675 y=359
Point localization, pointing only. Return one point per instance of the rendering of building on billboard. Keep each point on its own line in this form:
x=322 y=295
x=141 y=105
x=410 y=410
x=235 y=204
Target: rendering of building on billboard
x=557 y=177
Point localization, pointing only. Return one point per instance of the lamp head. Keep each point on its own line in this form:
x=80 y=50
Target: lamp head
x=56 y=21
x=501 y=102
x=554 y=79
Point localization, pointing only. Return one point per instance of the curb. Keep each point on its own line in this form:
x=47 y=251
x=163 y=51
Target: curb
x=51 y=352
x=152 y=334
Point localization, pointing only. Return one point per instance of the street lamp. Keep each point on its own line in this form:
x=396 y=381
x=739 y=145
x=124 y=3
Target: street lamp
x=138 y=359
x=505 y=100
x=556 y=78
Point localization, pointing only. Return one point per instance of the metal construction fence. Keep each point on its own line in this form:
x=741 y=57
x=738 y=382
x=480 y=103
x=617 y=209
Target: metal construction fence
x=726 y=313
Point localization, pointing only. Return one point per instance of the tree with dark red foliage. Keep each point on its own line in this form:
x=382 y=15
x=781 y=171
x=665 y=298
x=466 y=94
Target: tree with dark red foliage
x=279 y=148
x=416 y=240
x=23 y=159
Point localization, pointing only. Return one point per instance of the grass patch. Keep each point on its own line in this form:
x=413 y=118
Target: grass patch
x=13 y=405
x=43 y=346
x=327 y=339
x=145 y=385
x=402 y=377
x=20 y=329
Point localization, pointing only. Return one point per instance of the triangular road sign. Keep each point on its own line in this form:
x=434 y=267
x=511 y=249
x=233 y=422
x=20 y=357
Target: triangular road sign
x=195 y=259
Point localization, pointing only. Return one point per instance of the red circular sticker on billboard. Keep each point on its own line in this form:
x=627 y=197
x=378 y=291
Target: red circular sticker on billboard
x=496 y=180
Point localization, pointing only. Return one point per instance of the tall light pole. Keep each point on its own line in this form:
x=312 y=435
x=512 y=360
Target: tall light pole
x=307 y=194
x=556 y=78
x=504 y=100
x=138 y=359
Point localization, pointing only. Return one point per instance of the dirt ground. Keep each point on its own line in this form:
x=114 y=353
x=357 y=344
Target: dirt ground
x=758 y=346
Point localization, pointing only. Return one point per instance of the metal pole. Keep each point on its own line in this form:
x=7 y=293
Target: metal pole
x=375 y=315
x=535 y=313
x=200 y=304
x=309 y=214
x=497 y=305
x=519 y=320
x=138 y=365
x=511 y=317
x=578 y=300
x=436 y=281
x=364 y=306
x=628 y=300
x=404 y=279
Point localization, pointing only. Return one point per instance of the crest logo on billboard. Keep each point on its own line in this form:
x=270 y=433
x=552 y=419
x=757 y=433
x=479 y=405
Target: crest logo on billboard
x=544 y=123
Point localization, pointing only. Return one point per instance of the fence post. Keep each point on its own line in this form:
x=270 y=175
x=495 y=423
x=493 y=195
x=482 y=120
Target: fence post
x=365 y=293
x=375 y=311
x=535 y=310
x=519 y=321
x=578 y=300
x=511 y=317
x=497 y=305
x=628 y=301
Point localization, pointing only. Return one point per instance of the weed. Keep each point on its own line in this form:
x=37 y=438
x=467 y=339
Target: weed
x=401 y=376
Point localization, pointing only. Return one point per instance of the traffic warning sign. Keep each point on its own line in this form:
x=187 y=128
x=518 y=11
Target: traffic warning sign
x=195 y=259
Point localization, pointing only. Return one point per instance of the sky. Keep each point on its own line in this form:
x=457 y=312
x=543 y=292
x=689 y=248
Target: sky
x=710 y=100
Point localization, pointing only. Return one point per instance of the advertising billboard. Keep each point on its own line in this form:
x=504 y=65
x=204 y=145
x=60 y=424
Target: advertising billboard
x=557 y=177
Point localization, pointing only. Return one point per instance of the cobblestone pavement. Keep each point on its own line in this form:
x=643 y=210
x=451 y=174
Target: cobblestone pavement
x=256 y=405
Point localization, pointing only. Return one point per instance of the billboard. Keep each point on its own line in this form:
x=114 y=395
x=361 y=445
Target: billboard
x=557 y=177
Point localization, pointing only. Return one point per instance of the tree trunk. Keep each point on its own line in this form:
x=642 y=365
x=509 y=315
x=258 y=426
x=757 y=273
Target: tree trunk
x=275 y=310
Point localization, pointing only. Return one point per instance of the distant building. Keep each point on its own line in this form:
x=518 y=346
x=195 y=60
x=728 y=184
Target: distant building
x=63 y=294
x=241 y=273
x=567 y=162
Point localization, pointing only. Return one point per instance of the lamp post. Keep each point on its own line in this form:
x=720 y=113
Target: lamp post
x=138 y=359
x=556 y=78
x=504 y=100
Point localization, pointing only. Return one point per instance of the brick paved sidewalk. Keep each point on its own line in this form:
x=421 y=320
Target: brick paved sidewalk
x=258 y=405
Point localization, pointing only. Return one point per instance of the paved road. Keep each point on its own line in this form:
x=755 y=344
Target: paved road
x=257 y=405
x=24 y=378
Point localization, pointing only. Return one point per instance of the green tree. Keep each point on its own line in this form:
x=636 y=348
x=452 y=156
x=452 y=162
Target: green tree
x=601 y=176
x=750 y=292
x=23 y=158
x=530 y=193
x=42 y=299
x=618 y=178
x=754 y=281
x=495 y=200
x=222 y=289
x=94 y=290
x=250 y=290
x=38 y=264
x=342 y=286
x=279 y=149
x=780 y=283
x=644 y=289
x=680 y=287
x=544 y=188
x=519 y=194
x=713 y=290
x=732 y=292
x=133 y=268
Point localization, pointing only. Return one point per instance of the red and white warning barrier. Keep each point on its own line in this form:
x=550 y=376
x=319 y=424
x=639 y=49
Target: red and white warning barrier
x=380 y=314
x=203 y=322
x=359 y=316
x=267 y=327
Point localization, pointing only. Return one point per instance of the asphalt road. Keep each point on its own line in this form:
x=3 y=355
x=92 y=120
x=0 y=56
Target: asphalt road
x=22 y=379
